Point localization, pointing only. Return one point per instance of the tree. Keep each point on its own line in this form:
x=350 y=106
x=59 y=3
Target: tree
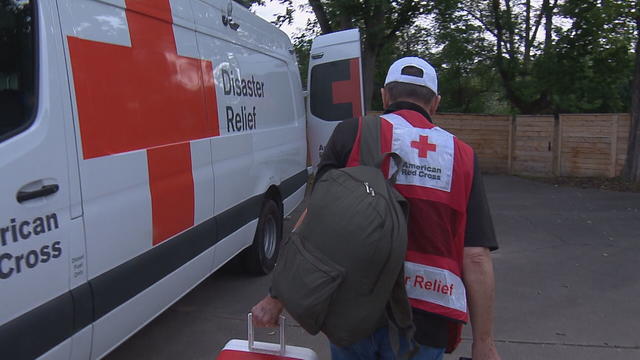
x=592 y=63
x=549 y=55
x=632 y=165
x=520 y=35
x=526 y=56
x=461 y=52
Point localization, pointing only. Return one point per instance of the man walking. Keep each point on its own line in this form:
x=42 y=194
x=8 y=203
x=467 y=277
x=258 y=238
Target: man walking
x=448 y=269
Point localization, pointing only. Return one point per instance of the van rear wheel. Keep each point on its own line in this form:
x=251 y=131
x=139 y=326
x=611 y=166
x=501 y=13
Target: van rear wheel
x=261 y=256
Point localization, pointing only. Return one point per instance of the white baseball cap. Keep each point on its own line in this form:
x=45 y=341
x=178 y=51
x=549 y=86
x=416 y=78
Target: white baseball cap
x=428 y=79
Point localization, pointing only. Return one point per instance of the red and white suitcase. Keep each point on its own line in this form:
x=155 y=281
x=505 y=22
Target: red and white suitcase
x=254 y=350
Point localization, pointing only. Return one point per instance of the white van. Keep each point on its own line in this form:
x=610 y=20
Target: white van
x=143 y=144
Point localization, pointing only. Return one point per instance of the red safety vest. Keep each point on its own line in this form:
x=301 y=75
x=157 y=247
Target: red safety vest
x=436 y=179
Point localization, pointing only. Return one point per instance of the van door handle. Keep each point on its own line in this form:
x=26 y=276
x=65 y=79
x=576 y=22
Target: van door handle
x=45 y=190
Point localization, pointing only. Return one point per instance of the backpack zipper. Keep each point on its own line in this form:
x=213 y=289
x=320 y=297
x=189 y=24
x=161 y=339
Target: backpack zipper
x=369 y=189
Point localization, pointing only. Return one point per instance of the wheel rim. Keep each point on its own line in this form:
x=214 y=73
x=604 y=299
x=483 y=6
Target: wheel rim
x=270 y=237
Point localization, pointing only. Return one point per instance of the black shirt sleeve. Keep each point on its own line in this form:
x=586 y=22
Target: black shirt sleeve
x=336 y=153
x=479 y=230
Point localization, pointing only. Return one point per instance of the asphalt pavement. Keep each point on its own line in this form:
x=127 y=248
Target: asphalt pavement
x=567 y=284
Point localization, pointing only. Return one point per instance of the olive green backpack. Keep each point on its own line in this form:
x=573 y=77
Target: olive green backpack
x=341 y=271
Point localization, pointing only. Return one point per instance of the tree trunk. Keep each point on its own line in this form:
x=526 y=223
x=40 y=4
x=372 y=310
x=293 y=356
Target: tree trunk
x=369 y=57
x=321 y=15
x=374 y=40
x=548 y=24
x=632 y=165
x=503 y=70
x=528 y=41
x=509 y=27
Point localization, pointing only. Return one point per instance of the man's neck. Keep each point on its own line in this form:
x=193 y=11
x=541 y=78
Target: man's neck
x=408 y=105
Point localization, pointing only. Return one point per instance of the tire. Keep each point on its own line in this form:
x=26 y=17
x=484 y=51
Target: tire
x=260 y=257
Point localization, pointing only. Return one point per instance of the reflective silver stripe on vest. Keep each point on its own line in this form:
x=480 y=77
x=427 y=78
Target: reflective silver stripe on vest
x=434 y=285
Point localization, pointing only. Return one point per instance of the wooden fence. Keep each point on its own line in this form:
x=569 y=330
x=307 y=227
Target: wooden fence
x=490 y=136
x=565 y=145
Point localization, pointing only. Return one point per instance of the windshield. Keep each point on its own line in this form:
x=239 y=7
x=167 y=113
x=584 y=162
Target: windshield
x=17 y=66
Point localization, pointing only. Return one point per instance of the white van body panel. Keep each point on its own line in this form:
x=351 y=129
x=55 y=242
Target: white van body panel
x=203 y=180
x=60 y=352
x=141 y=309
x=336 y=39
x=254 y=32
x=182 y=13
x=108 y=195
x=294 y=200
x=81 y=344
x=233 y=244
x=101 y=21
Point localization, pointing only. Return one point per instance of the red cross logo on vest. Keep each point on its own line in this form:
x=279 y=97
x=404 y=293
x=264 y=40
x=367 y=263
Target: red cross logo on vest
x=147 y=97
x=423 y=146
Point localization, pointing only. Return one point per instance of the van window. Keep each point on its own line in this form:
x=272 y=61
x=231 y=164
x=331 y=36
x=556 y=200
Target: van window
x=323 y=78
x=17 y=66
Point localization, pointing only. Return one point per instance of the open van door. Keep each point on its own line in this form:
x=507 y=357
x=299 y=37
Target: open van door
x=335 y=86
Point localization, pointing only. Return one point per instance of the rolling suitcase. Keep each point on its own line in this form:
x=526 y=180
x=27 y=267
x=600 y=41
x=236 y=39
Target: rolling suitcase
x=254 y=350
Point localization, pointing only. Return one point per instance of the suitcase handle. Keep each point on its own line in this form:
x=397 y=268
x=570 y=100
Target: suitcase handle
x=283 y=346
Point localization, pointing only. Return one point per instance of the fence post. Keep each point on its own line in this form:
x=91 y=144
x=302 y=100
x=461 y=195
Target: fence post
x=557 y=145
x=511 y=144
x=614 y=146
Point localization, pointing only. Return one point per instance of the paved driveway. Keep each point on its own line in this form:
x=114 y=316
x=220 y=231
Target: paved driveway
x=567 y=272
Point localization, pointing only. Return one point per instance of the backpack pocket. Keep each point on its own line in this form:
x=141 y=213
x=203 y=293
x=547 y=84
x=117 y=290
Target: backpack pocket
x=305 y=281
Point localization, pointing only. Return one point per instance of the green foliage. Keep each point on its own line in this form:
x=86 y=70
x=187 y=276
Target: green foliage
x=495 y=56
x=545 y=56
x=593 y=58
x=302 y=46
x=15 y=27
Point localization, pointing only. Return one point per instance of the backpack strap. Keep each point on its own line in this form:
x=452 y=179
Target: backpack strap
x=398 y=310
x=400 y=320
x=370 y=146
x=370 y=140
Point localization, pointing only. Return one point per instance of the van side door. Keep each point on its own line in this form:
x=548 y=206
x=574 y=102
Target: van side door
x=143 y=124
x=334 y=85
x=42 y=271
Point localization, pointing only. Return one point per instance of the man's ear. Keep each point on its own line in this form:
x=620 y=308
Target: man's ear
x=434 y=105
x=385 y=100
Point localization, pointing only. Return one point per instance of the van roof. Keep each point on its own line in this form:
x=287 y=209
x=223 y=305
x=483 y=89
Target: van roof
x=263 y=33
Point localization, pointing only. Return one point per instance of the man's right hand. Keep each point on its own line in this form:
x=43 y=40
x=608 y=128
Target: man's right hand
x=267 y=312
x=484 y=350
